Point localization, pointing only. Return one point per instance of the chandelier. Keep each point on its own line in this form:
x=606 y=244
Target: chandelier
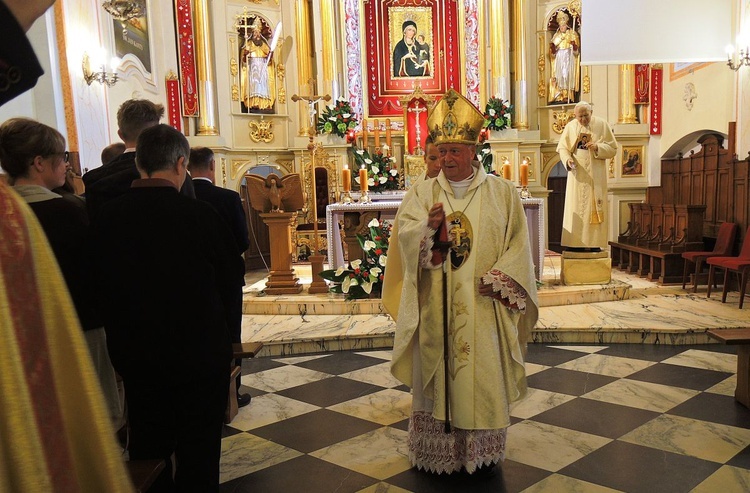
x=124 y=10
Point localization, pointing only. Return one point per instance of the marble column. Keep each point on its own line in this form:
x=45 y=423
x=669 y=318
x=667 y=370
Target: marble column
x=328 y=25
x=304 y=62
x=500 y=85
x=207 y=120
x=626 y=91
x=521 y=103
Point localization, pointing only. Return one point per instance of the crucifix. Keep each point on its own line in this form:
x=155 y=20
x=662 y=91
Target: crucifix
x=417 y=110
x=316 y=260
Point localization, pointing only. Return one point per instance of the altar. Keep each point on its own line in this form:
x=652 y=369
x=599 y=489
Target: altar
x=355 y=216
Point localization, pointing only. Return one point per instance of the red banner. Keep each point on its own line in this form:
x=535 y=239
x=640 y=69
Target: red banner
x=186 y=49
x=173 y=101
x=656 y=95
x=641 y=83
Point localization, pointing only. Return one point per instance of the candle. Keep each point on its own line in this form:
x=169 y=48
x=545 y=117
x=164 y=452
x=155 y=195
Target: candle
x=506 y=170
x=377 y=134
x=363 y=179
x=388 y=132
x=346 y=178
x=364 y=134
x=524 y=173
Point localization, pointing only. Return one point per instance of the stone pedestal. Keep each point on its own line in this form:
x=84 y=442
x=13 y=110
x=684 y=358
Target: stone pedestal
x=282 y=279
x=318 y=284
x=585 y=268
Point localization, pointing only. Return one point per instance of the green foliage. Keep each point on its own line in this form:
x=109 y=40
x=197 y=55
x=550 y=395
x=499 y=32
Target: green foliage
x=382 y=173
x=337 y=119
x=497 y=114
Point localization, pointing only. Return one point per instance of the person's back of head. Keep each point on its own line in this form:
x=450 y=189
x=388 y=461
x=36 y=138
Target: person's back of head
x=112 y=151
x=200 y=160
x=135 y=115
x=22 y=140
x=159 y=148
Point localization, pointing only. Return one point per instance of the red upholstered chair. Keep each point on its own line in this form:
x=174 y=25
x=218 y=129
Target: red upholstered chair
x=740 y=265
x=722 y=248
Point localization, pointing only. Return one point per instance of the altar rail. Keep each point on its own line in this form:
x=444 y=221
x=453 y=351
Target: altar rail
x=657 y=235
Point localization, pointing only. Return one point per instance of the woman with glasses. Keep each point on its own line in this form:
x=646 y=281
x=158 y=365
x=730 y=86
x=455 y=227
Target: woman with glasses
x=34 y=157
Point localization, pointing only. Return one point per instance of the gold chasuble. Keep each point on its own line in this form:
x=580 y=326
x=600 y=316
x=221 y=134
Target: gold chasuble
x=55 y=434
x=486 y=338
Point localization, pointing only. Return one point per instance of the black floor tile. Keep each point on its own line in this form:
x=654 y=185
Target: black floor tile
x=715 y=408
x=545 y=355
x=425 y=482
x=403 y=388
x=228 y=431
x=568 y=382
x=646 y=352
x=595 y=417
x=742 y=459
x=633 y=468
x=303 y=474
x=343 y=363
x=680 y=376
x=401 y=425
x=315 y=430
x=254 y=365
x=244 y=389
x=330 y=391
x=519 y=476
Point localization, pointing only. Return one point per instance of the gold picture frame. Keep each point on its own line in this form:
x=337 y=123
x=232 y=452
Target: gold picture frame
x=632 y=164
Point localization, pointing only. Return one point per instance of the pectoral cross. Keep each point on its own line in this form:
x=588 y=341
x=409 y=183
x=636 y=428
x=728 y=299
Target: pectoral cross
x=417 y=110
x=311 y=101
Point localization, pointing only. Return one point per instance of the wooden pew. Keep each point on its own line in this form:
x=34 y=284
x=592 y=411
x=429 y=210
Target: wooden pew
x=240 y=350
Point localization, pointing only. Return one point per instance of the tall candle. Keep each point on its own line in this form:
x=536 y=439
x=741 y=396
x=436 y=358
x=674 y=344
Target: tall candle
x=377 y=134
x=388 y=132
x=363 y=179
x=524 y=173
x=364 y=134
x=346 y=178
x=506 y=170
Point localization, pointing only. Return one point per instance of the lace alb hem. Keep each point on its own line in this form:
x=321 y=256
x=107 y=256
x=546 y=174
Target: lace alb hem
x=433 y=450
x=507 y=290
x=426 y=254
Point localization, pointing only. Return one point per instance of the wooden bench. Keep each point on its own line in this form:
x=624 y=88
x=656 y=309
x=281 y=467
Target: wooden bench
x=655 y=265
x=740 y=338
x=240 y=350
x=143 y=473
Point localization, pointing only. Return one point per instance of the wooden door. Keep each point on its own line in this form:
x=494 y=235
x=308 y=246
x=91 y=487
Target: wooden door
x=556 y=183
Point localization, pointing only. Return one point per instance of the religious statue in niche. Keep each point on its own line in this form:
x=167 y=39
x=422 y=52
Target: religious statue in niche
x=257 y=67
x=564 y=52
x=411 y=54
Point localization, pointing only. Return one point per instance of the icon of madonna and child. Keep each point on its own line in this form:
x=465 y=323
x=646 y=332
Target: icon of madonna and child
x=411 y=55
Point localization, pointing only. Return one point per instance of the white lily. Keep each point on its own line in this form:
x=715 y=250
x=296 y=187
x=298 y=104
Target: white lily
x=373 y=224
x=371 y=182
x=368 y=245
x=367 y=287
x=345 y=285
x=346 y=115
x=382 y=179
x=361 y=152
x=340 y=271
x=376 y=271
x=332 y=118
x=492 y=112
x=382 y=260
x=368 y=161
x=375 y=169
x=394 y=172
x=356 y=263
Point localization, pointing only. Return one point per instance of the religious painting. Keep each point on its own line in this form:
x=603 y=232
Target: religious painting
x=677 y=70
x=132 y=45
x=401 y=41
x=632 y=161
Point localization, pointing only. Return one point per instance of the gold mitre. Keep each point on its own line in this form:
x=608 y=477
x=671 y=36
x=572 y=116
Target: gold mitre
x=455 y=120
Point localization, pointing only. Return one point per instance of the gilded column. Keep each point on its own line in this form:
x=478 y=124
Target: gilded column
x=500 y=85
x=328 y=25
x=626 y=86
x=207 y=124
x=519 y=62
x=304 y=62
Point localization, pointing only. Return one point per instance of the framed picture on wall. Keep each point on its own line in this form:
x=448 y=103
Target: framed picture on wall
x=632 y=161
x=405 y=44
x=132 y=44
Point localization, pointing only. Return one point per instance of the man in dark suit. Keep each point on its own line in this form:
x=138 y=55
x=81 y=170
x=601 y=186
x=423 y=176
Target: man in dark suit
x=174 y=361
x=114 y=178
x=202 y=167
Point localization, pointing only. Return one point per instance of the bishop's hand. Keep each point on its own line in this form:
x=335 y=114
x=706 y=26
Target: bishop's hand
x=436 y=216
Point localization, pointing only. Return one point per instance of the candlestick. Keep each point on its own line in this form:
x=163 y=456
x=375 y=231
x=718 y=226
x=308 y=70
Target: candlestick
x=377 y=134
x=388 y=132
x=524 y=173
x=363 y=179
x=364 y=134
x=506 y=170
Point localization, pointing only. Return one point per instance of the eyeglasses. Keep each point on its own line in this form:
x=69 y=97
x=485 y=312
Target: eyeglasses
x=66 y=156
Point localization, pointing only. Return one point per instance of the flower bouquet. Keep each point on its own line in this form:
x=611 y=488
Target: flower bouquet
x=364 y=277
x=337 y=119
x=497 y=114
x=484 y=156
x=382 y=173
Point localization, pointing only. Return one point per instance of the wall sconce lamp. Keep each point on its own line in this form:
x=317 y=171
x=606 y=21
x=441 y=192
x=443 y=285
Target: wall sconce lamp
x=735 y=62
x=101 y=76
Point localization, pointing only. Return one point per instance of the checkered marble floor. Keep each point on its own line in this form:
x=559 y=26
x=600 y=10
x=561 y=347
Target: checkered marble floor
x=625 y=417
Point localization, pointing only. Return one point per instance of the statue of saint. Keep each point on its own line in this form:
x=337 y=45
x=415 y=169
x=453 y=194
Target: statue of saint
x=564 y=51
x=257 y=73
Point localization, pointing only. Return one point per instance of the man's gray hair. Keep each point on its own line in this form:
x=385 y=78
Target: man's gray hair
x=585 y=105
x=159 y=148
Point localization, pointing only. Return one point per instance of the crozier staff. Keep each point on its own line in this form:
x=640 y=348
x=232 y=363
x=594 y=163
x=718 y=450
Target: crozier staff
x=490 y=300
